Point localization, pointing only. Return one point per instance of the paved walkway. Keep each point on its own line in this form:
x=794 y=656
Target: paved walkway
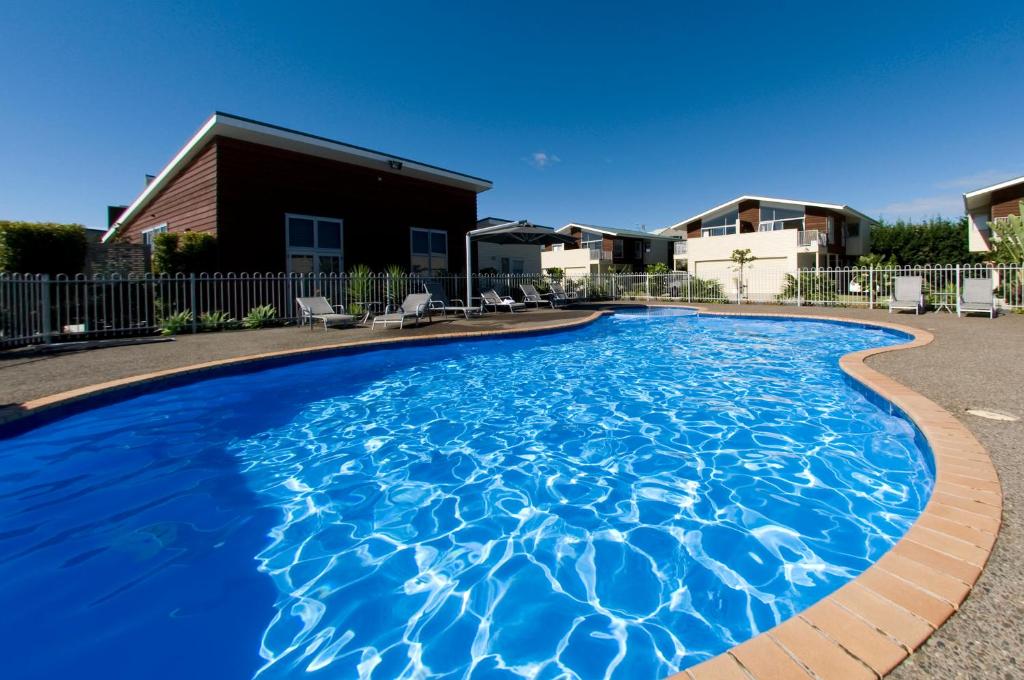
x=973 y=363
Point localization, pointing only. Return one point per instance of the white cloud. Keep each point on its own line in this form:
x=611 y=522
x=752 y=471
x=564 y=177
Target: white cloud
x=542 y=159
x=978 y=180
x=946 y=205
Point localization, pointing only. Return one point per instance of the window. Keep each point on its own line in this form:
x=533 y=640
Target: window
x=853 y=229
x=830 y=226
x=592 y=240
x=638 y=250
x=149 y=234
x=776 y=219
x=512 y=265
x=721 y=225
x=617 y=247
x=314 y=245
x=428 y=251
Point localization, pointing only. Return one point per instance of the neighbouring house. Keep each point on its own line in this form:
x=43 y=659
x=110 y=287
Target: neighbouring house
x=505 y=258
x=782 y=234
x=991 y=204
x=599 y=250
x=282 y=200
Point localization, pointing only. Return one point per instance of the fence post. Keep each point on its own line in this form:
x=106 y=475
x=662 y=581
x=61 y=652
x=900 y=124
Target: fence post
x=45 y=304
x=871 y=287
x=647 y=286
x=798 y=277
x=957 y=289
x=192 y=302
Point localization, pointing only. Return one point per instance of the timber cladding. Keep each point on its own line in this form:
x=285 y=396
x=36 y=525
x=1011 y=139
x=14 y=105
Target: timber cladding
x=259 y=185
x=188 y=203
x=1006 y=202
x=241 y=191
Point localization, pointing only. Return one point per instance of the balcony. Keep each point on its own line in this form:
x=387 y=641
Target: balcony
x=812 y=238
x=679 y=248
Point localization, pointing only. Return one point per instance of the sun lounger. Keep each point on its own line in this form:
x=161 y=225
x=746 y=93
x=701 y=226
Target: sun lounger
x=976 y=297
x=315 y=309
x=440 y=302
x=906 y=294
x=492 y=299
x=560 y=296
x=531 y=296
x=415 y=306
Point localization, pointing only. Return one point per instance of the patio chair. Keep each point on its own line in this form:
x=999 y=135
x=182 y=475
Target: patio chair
x=492 y=299
x=560 y=296
x=415 y=306
x=906 y=294
x=976 y=296
x=313 y=309
x=530 y=295
x=440 y=302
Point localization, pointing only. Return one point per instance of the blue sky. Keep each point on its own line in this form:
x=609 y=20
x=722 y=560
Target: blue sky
x=622 y=114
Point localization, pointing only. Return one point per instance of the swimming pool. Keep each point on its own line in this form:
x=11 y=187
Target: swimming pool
x=621 y=500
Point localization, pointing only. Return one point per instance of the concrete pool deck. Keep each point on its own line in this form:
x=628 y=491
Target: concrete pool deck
x=972 y=363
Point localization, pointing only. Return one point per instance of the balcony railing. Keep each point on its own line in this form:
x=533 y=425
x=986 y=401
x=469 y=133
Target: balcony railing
x=812 y=237
x=679 y=248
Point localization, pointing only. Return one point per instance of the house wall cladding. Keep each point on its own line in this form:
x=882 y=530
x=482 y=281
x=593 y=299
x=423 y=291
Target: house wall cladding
x=187 y=203
x=750 y=216
x=817 y=218
x=116 y=258
x=259 y=185
x=1007 y=201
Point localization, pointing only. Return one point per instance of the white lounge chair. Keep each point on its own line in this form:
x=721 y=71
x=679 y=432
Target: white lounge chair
x=906 y=294
x=559 y=294
x=492 y=299
x=315 y=309
x=531 y=296
x=415 y=306
x=440 y=302
x=976 y=297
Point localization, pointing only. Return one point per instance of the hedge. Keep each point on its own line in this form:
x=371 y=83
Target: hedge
x=189 y=252
x=42 y=247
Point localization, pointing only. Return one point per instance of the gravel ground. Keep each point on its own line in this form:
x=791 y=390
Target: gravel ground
x=973 y=363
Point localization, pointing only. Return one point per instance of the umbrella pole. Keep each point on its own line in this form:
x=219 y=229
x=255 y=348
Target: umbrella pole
x=469 y=271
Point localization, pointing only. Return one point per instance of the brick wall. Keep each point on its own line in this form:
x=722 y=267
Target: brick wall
x=116 y=258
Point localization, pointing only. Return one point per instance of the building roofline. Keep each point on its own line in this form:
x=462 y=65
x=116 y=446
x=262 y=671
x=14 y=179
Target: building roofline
x=787 y=201
x=228 y=125
x=976 y=198
x=612 y=231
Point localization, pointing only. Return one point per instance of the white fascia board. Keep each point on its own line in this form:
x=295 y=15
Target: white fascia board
x=225 y=125
x=768 y=199
x=979 y=197
x=186 y=154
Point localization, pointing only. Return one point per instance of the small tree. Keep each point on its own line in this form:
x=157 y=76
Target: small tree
x=742 y=257
x=658 y=268
x=556 y=273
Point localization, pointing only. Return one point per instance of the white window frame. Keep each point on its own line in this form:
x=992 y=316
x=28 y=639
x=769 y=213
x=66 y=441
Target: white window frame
x=149 y=234
x=316 y=251
x=430 y=254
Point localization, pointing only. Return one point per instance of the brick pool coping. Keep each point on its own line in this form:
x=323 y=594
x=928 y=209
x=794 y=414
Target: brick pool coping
x=862 y=630
x=869 y=626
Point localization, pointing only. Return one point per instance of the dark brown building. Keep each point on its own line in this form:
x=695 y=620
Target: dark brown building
x=279 y=200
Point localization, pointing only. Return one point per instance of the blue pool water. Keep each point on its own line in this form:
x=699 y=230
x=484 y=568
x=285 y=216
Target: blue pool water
x=622 y=500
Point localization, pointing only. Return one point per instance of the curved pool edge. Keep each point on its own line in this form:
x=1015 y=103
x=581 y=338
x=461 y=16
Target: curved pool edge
x=35 y=412
x=864 y=629
x=870 y=625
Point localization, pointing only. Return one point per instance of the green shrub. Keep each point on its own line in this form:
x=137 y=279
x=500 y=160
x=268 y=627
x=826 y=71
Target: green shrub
x=657 y=268
x=706 y=290
x=360 y=288
x=42 y=248
x=812 y=288
x=556 y=273
x=263 y=316
x=176 y=323
x=217 y=321
x=190 y=252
